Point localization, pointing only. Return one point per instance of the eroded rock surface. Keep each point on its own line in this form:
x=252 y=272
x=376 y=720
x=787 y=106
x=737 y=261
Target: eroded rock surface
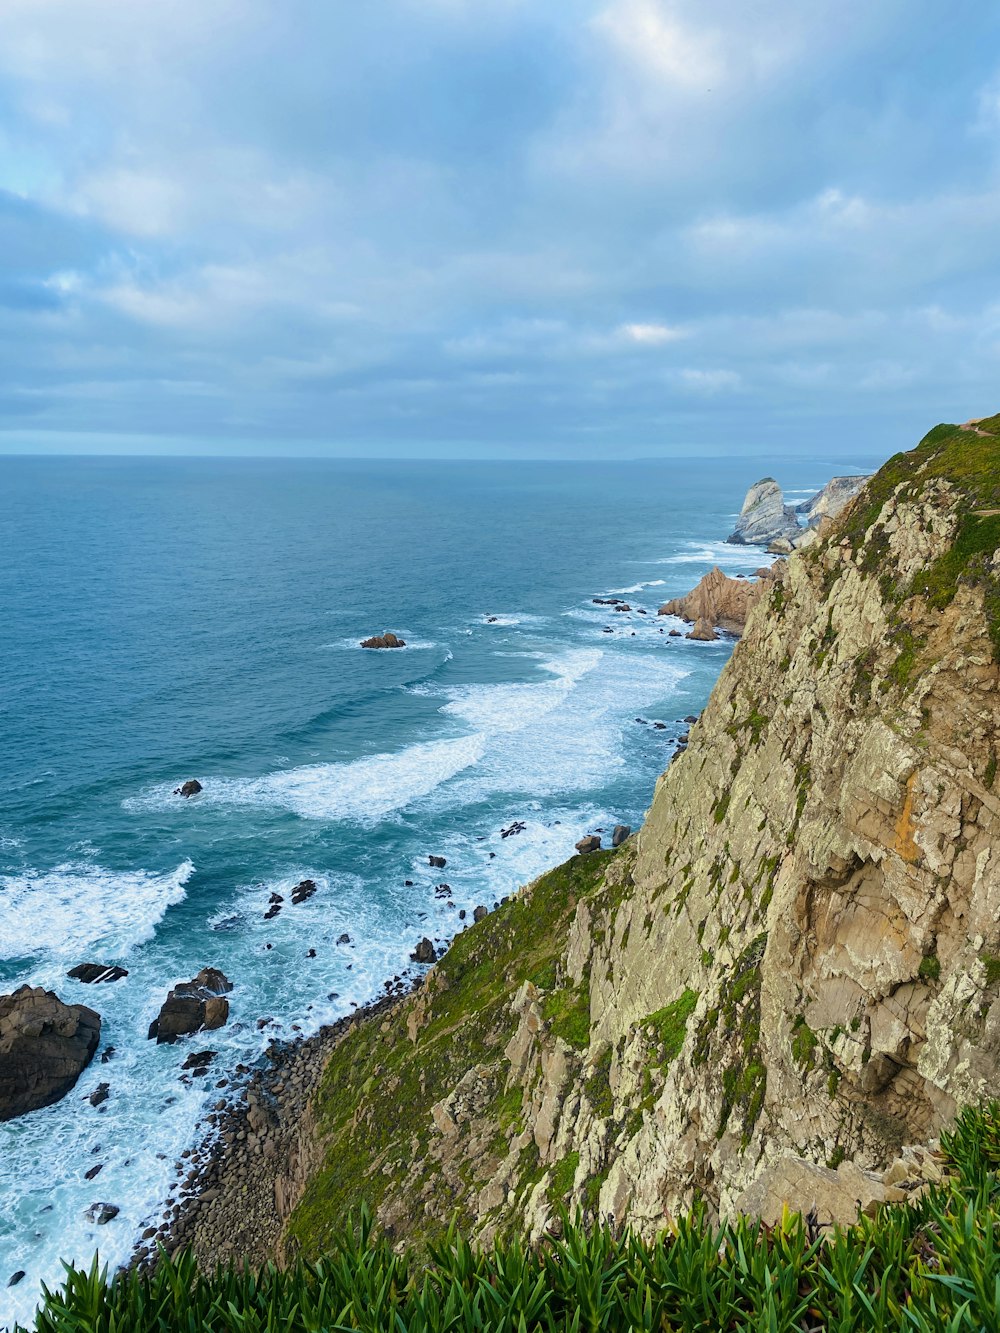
x=764 y=516
x=45 y=1046
x=722 y=601
x=193 y=1006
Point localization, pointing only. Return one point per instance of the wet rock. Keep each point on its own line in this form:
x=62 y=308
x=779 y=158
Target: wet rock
x=193 y=1006
x=198 y=1059
x=619 y=834
x=44 y=1047
x=674 y=634
x=303 y=891
x=344 y=939
x=95 y=973
x=94 y=1171
x=190 y=788
x=518 y=826
x=15 y=1278
x=591 y=843
x=102 y=1213
x=100 y=1094
x=386 y=640
x=107 y=1054
x=691 y=718
x=424 y=952
x=439 y=862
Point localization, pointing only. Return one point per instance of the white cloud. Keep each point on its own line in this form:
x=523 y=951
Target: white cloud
x=649 y=335
x=710 y=381
x=655 y=40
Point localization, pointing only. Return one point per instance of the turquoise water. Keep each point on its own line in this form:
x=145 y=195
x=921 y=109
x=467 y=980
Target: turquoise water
x=167 y=619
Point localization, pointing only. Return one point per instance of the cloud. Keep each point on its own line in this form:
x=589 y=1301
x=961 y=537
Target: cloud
x=432 y=220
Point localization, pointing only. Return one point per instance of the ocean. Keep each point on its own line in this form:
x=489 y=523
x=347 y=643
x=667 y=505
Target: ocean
x=166 y=619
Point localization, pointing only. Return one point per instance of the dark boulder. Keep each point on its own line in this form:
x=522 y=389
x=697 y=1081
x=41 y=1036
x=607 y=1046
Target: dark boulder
x=44 y=1047
x=386 y=640
x=439 y=862
x=619 y=834
x=102 y=1213
x=424 y=952
x=190 y=788
x=344 y=939
x=16 y=1278
x=591 y=843
x=95 y=973
x=100 y=1094
x=480 y=914
x=193 y=1006
x=303 y=891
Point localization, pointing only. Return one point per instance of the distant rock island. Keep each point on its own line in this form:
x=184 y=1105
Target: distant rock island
x=765 y=519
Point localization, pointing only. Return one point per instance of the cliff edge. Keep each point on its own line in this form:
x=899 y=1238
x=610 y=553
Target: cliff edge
x=794 y=966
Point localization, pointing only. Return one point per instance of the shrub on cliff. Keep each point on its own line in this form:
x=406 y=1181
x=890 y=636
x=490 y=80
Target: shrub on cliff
x=929 y=1267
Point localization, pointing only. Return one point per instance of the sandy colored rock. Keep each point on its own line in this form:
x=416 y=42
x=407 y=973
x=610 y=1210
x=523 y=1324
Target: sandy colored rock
x=44 y=1047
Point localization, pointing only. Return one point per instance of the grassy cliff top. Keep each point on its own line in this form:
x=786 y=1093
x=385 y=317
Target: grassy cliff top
x=967 y=459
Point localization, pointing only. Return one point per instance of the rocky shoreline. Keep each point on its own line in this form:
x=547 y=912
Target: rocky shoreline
x=235 y=1189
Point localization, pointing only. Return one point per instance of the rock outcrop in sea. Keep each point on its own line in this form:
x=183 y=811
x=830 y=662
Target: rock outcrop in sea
x=764 y=516
x=45 y=1046
x=193 y=1006
x=765 y=519
x=781 y=989
x=722 y=601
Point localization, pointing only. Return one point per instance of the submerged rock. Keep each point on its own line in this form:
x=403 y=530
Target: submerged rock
x=44 y=1047
x=102 y=1213
x=193 y=1006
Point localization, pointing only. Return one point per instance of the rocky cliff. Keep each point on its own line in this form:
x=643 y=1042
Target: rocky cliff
x=794 y=966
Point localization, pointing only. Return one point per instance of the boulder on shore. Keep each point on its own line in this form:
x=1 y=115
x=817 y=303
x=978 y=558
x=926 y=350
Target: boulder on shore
x=619 y=834
x=193 y=1006
x=190 y=788
x=702 y=631
x=764 y=516
x=45 y=1046
x=591 y=843
x=424 y=952
x=386 y=640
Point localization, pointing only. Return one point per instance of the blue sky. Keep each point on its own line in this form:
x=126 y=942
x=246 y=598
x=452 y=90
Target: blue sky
x=516 y=228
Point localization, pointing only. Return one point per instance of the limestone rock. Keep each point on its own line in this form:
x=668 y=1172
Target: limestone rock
x=44 y=1047
x=764 y=516
x=835 y=1197
x=193 y=1006
x=828 y=502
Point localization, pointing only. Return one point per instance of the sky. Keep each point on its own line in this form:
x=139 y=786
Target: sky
x=497 y=228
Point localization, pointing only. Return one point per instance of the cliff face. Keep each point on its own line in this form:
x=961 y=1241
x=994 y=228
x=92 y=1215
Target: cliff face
x=798 y=956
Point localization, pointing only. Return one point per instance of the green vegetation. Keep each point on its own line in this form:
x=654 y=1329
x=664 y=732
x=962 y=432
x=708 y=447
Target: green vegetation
x=970 y=461
x=991 y=965
x=928 y=1267
x=804 y=1043
x=380 y=1141
x=930 y=967
x=670 y=1024
x=563 y=1174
